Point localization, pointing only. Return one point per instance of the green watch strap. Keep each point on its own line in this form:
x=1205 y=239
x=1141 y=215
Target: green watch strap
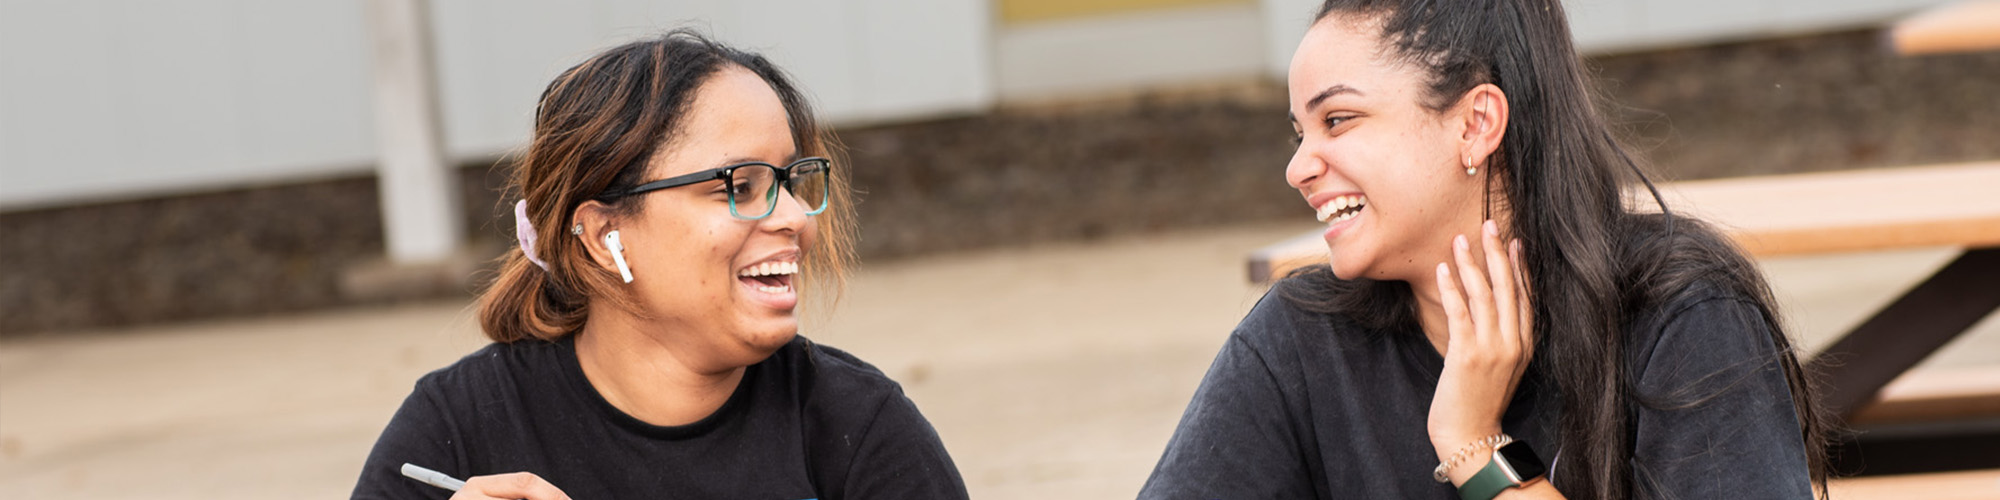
x=1487 y=483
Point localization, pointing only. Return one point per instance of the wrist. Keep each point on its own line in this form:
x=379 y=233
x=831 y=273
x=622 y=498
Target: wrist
x=1445 y=444
x=1470 y=466
x=1465 y=460
x=1512 y=465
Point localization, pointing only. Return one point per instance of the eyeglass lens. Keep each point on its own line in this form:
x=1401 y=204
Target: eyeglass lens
x=751 y=192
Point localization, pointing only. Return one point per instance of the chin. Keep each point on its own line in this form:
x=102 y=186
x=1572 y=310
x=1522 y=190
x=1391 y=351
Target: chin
x=770 y=335
x=1348 y=269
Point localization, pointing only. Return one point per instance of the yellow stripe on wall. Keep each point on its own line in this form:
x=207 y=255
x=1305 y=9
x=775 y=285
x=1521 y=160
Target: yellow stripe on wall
x=1019 y=11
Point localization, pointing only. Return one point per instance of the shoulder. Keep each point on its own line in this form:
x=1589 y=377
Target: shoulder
x=1704 y=326
x=1279 y=323
x=830 y=380
x=1701 y=303
x=496 y=371
x=865 y=437
x=1275 y=316
x=456 y=411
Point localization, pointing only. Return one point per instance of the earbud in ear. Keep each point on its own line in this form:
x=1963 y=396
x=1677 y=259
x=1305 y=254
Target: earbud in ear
x=618 y=255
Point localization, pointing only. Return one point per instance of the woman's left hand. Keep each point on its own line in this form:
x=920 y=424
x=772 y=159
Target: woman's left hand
x=1491 y=339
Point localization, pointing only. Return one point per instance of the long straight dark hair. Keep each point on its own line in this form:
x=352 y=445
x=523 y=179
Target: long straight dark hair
x=1594 y=265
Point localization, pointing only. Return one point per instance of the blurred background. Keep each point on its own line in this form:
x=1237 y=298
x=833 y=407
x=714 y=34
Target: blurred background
x=233 y=233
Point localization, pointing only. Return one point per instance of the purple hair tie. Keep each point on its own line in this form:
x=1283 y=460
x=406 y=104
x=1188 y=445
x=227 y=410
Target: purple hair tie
x=525 y=231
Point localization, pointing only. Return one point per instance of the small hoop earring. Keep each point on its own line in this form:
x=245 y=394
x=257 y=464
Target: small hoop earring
x=576 y=230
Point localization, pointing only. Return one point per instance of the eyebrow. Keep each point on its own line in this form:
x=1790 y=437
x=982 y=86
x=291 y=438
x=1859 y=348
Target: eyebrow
x=739 y=160
x=1323 y=95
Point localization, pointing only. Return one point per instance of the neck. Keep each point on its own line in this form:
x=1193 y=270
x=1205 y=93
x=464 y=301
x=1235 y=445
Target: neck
x=651 y=376
x=1430 y=312
x=1430 y=308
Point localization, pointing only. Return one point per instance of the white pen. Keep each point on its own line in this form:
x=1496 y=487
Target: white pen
x=431 y=477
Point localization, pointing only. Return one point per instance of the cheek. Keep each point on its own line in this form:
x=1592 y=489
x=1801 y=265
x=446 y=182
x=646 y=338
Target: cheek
x=695 y=251
x=718 y=252
x=809 y=236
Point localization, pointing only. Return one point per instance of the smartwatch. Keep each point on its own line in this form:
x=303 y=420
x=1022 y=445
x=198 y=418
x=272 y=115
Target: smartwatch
x=1512 y=465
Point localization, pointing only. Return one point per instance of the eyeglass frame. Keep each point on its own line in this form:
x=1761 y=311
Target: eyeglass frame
x=780 y=176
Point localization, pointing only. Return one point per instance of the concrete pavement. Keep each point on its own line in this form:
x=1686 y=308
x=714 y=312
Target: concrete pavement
x=1053 y=372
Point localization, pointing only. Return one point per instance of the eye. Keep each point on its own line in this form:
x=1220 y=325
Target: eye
x=1333 y=121
x=728 y=188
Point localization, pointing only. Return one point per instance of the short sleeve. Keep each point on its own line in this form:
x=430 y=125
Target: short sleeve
x=900 y=456
x=1235 y=440
x=420 y=434
x=1715 y=416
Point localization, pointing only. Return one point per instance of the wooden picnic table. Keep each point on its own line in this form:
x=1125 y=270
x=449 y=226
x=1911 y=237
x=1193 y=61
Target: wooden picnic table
x=1955 y=205
x=1958 y=27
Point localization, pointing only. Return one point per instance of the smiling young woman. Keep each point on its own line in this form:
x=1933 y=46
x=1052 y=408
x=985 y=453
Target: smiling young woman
x=677 y=206
x=1493 y=321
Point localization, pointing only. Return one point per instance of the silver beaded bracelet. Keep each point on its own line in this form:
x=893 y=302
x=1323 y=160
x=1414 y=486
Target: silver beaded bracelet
x=1443 y=471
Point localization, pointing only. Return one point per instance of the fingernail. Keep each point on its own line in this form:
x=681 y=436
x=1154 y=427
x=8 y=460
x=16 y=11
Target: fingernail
x=1459 y=242
x=1443 y=271
x=1492 y=229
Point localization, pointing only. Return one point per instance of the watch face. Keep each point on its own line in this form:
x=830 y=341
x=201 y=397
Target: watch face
x=1522 y=461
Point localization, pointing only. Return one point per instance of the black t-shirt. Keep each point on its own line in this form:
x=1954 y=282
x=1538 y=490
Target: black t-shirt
x=810 y=422
x=1309 y=405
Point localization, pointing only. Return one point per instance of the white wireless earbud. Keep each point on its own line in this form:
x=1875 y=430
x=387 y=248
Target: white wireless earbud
x=618 y=255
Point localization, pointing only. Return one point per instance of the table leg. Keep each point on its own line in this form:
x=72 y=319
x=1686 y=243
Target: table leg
x=1908 y=330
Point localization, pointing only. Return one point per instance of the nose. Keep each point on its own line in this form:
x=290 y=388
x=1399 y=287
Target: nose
x=789 y=214
x=1304 y=169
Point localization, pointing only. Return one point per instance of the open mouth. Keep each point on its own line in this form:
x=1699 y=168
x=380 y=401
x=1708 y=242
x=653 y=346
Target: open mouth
x=1342 y=208
x=770 y=277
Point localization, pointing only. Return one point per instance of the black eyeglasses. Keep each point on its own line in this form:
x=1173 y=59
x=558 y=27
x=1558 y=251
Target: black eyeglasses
x=753 y=186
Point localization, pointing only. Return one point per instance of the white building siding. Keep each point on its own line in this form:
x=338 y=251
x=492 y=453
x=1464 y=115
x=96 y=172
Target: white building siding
x=106 y=99
x=99 y=98
x=112 y=99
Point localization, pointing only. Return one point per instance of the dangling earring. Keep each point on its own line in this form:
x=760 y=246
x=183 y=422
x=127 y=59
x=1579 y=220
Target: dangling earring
x=1469 y=170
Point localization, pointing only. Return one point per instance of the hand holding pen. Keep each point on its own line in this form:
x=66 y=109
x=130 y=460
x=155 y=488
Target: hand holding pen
x=518 y=485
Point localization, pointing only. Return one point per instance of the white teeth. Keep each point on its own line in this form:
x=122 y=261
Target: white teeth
x=773 y=289
x=1337 y=209
x=770 y=268
x=1345 y=216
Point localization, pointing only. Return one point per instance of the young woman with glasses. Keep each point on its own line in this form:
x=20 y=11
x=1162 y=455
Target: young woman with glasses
x=677 y=204
x=1495 y=322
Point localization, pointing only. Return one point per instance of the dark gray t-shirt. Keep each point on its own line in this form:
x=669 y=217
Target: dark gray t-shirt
x=1309 y=405
x=808 y=422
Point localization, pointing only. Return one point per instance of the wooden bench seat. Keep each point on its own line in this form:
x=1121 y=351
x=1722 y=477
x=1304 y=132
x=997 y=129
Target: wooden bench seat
x=1935 y=395
x=1957 y=485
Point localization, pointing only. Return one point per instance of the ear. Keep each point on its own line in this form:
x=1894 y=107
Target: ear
x=596 y=219
x=1484 y=113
